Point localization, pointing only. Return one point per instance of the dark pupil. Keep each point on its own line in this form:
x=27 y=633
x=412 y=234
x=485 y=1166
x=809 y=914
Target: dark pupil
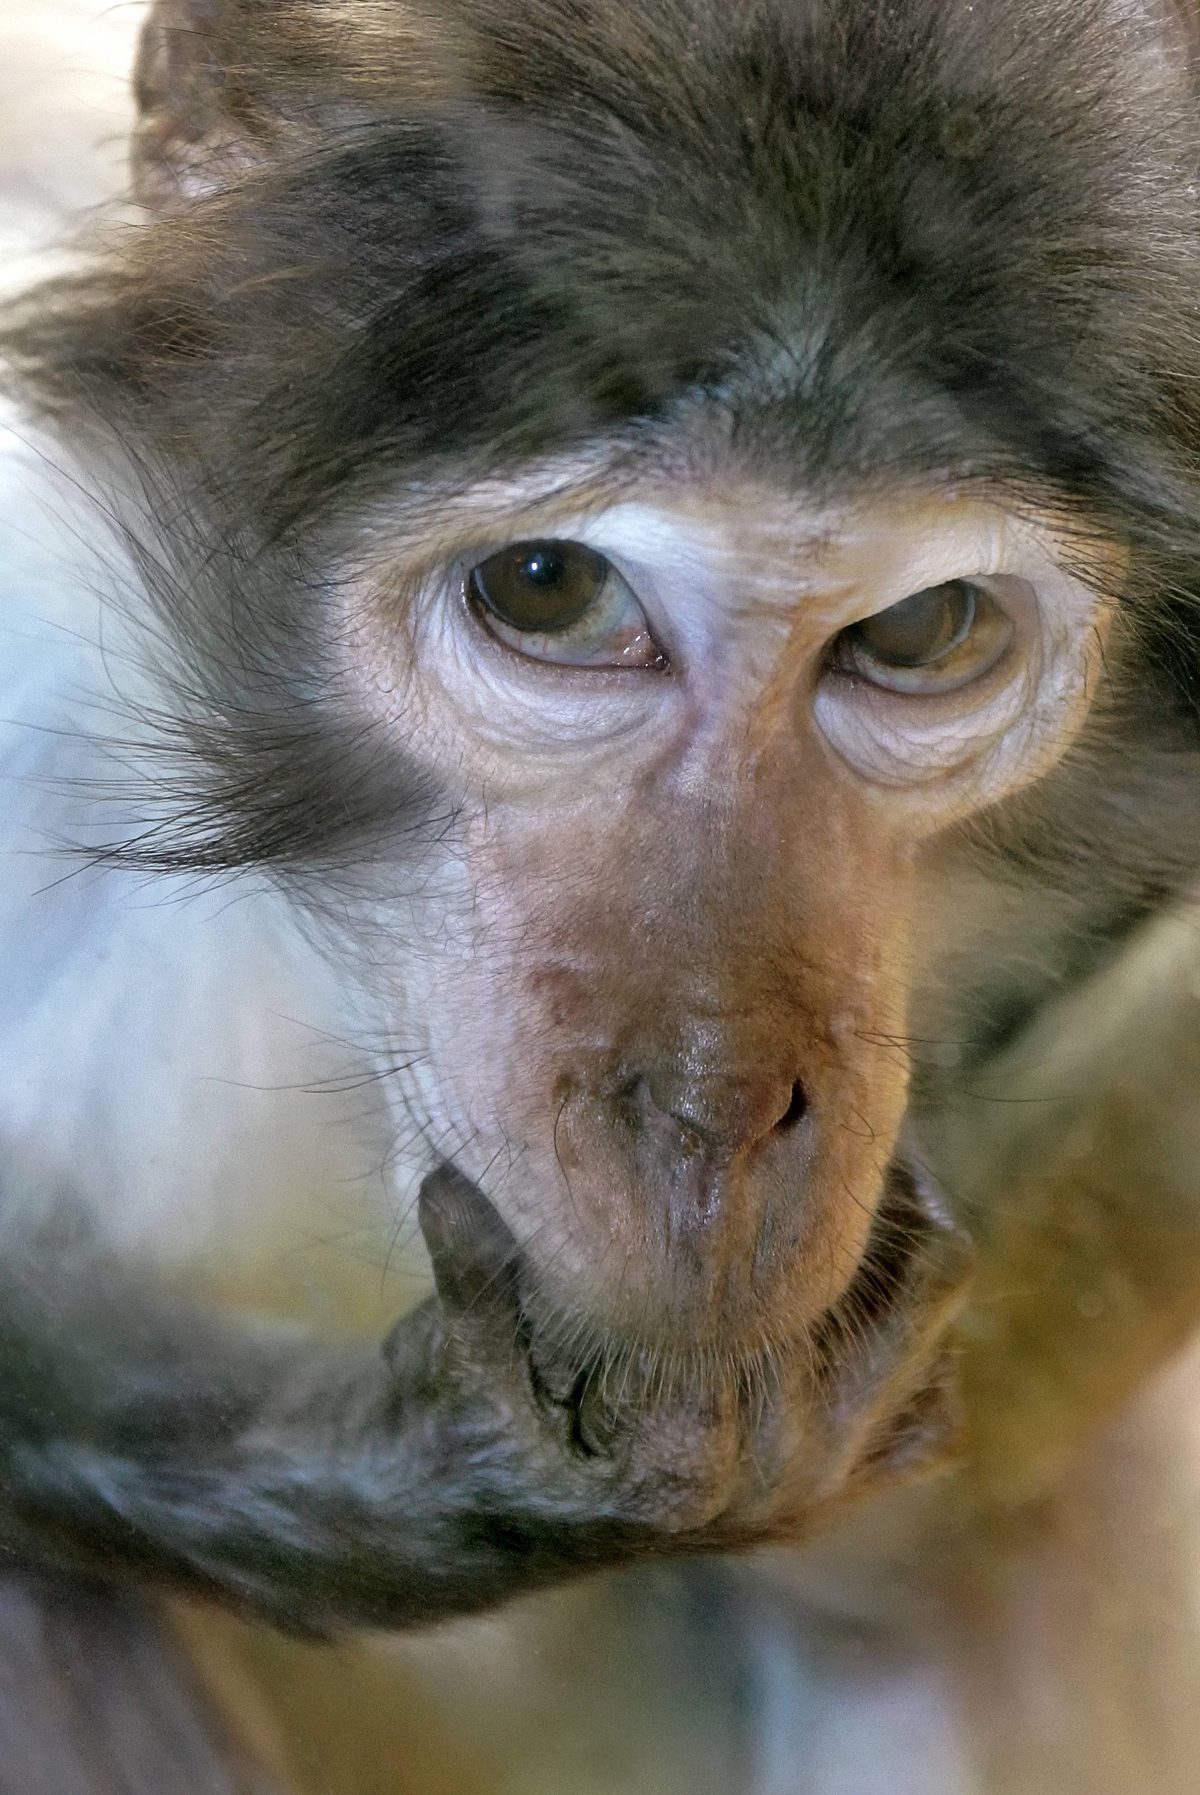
x=921 y=629
x=540 y=586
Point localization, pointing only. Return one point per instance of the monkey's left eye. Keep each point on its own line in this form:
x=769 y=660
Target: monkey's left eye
x=933 y=641
x=564 y=603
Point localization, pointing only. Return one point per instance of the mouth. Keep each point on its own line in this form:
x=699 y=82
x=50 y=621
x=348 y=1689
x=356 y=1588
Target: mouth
x=866 y=1395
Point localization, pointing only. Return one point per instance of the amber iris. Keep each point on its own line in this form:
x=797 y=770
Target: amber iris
x=540 y=588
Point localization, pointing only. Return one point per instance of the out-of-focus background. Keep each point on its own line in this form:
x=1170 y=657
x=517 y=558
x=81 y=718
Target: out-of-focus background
x=64 y=119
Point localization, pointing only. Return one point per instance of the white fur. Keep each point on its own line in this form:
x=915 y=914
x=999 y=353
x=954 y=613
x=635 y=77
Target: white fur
x=155 y=1038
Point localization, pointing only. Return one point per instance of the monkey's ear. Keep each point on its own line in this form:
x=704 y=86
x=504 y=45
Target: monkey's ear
x=200 y=120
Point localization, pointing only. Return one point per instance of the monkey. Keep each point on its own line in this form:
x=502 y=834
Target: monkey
x=659 y=543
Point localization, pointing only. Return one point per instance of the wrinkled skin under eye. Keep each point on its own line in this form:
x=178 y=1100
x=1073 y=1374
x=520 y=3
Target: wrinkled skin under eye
x=562 y=602
x=933 y=641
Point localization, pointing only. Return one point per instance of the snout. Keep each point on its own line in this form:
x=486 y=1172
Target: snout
x=715 y=1200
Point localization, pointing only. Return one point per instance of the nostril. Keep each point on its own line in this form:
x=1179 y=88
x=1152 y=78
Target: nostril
x=733 y=1113
x=796 y=1110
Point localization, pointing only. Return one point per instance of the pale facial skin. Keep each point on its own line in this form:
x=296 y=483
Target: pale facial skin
x=664 y=948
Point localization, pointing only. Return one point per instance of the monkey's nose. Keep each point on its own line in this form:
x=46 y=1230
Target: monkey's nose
x=719 y=1116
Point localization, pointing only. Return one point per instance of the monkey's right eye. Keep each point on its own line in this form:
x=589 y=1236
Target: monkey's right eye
x=562 y=602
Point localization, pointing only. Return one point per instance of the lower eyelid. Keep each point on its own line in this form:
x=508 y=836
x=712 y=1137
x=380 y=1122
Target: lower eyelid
x=902 y=740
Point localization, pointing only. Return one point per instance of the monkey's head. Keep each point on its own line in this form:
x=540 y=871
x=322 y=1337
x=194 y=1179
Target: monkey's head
x=656 y=479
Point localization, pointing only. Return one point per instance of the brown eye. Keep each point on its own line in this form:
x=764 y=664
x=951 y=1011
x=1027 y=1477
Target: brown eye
x=563 y=603
x=933 y=641
x=540 y=588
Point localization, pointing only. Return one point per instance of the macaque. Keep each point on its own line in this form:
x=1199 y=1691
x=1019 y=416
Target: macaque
x=645 y=554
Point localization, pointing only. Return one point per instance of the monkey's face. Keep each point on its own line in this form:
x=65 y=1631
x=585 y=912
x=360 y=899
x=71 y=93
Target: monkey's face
x=613 y=323
x=701 y=739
